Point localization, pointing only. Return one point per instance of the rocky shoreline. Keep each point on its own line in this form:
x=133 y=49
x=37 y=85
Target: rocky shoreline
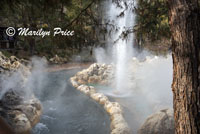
x=101 y=74
x=19 y=112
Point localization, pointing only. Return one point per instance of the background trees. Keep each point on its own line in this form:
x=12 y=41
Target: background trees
x=152 y=19
x=77 y=15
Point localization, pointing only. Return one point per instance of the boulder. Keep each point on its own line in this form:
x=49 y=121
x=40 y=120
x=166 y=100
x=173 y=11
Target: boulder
x=20 y=114
x=159 y=123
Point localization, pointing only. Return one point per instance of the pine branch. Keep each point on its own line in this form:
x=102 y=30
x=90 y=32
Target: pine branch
x=84 y=10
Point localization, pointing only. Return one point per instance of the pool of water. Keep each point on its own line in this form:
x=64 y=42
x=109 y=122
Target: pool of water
x=136 y=106
x=66 y=110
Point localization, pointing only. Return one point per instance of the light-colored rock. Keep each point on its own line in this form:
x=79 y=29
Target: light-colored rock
x=96 y=73
x=19 y=123
x=10 y=64
x=116 y=119
x=103 y=100
x=121 y=129
x=101 y=74
x=113 y=108
x=159 y=123
x=94 y=79
x=97 y=96
x=58 y=60
x=32 y=109
x=92 y=90
x=85 y=89
x=74 y=83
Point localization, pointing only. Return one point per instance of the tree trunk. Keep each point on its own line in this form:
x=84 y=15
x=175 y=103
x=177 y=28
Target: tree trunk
x=32 y=45
x=185 y=27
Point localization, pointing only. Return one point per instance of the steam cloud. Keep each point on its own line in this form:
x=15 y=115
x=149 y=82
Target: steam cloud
x=23 y=80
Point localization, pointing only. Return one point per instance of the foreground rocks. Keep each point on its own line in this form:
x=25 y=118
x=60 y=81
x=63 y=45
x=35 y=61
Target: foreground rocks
x=18 y=110
x=159 y=123
x=101 y=74
x=19 y=113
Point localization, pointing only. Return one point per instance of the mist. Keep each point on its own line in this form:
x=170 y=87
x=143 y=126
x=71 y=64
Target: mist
x=24 y=80
x=149 y=86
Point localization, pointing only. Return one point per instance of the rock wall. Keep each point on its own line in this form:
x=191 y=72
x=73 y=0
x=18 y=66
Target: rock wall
x=19 y=112
x=101 y=74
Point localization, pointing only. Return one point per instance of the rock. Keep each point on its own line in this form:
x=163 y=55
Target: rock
x=159 y=123
x=25 y=62
x=88 y=90
x=94 y=79
x=113 y=108
x=121 y=129
x=32 y=109
x=58 y=60
x=96 y=73
x=10 y=64
x=103 y=100
x=18 y=121
x=81 y=81
x=101 y=74
x=116 y=119
x=20 y=114
x=97 y=96
x=92 y=90
x=85 y=89
x=73 y=82
x=13 y=59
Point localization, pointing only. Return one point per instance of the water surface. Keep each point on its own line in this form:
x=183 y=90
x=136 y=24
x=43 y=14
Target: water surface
x=66 y=110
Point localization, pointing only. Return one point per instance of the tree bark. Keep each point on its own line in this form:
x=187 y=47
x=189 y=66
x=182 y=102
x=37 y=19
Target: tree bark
x=184 y=19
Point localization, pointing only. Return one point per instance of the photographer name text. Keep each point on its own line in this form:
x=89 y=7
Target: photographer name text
x=40 y=32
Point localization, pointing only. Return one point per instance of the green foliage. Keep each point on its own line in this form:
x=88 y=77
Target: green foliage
x=77 y=15
x=152 y=20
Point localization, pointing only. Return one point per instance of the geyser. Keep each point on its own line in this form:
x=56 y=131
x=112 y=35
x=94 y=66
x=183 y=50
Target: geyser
x=142 y=82
x=122 y=16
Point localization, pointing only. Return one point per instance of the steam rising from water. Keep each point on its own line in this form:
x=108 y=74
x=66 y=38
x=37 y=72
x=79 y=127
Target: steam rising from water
x=120 y=48
x=142 y=83
x=65 y=109
x=132 y=69
x=23 y=80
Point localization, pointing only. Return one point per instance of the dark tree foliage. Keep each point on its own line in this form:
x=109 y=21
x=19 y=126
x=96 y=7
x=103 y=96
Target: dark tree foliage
x=152 y=20
x=77 y=15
